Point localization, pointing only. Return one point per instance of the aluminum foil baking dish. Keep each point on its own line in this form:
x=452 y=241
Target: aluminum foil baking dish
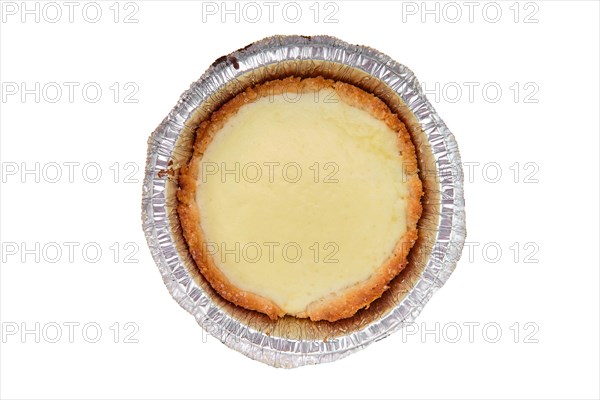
x=292 y=342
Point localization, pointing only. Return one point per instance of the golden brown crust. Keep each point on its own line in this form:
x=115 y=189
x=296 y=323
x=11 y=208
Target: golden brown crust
x=337 y=305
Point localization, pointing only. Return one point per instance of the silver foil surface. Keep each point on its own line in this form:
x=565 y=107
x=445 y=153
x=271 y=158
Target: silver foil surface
x=291 y=342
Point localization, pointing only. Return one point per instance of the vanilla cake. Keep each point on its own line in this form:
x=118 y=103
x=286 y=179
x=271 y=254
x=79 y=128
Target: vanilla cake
x=301 y=198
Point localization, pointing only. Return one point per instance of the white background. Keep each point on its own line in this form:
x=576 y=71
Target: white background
x=545 y=288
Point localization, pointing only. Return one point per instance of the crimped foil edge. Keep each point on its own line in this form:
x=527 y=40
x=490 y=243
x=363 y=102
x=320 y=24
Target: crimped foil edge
x=278 y=351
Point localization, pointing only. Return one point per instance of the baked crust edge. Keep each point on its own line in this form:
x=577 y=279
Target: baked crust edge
x=336 y=306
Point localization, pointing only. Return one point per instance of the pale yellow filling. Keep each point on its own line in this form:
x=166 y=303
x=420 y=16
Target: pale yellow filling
x=301 y=196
